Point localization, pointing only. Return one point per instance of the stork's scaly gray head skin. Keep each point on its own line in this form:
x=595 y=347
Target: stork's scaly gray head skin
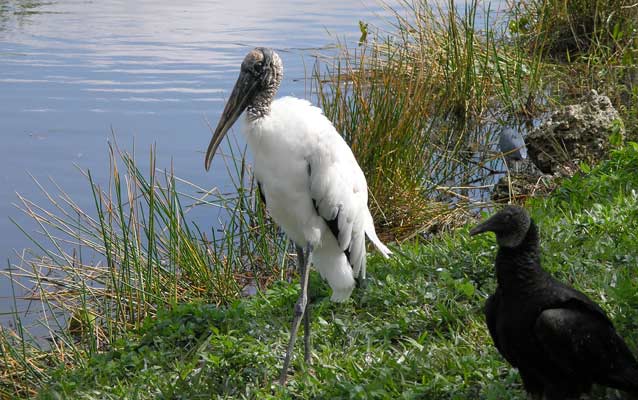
x=509 y=224
x=259 y=79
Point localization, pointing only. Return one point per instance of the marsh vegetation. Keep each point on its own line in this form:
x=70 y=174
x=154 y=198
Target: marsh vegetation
x=139 y=302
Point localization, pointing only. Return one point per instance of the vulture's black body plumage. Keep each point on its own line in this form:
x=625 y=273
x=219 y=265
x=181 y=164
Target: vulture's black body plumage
x=560 y=341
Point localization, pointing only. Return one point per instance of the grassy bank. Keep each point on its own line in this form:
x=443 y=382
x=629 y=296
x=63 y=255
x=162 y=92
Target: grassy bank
x=137 y=301
x=417 y=330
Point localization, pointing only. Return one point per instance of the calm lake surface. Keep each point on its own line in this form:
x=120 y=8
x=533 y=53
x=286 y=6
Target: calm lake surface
x=152 y=71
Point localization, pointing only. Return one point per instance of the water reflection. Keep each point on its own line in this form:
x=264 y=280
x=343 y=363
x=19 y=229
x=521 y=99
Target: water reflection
x=20 y=12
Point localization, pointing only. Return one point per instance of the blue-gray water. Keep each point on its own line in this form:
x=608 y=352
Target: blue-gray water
x=152 y=71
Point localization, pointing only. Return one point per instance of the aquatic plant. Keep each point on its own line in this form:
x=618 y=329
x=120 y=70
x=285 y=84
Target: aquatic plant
x=99 y=273
x=420 y=106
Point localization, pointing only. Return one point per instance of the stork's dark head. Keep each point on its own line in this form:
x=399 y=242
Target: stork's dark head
x=259 y=78
x=510 y=225
x=263 y=66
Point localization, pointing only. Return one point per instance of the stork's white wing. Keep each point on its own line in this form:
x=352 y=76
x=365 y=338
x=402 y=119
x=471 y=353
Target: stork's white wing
x=340 y=195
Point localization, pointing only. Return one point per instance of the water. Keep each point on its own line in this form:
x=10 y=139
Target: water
x=152 y=71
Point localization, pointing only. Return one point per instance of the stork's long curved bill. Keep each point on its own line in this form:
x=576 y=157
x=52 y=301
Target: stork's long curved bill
x=243 y=93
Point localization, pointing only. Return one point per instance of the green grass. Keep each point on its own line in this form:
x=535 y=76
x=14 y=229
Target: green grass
x=416 y=331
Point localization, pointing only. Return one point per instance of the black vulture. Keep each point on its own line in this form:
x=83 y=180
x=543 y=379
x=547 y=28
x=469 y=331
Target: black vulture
x=560 y=340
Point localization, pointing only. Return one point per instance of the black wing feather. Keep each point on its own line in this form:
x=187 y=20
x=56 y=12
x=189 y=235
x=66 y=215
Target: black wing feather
x=333 y=225
x=491 y=312
x=261 y=193
x=583 y=344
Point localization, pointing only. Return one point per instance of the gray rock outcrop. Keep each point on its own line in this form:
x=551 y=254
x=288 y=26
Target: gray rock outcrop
x=575 y=133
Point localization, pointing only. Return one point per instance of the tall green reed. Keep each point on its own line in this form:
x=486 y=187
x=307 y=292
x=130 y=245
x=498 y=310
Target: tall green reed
x=419 y=107
x=591 y=44
x=98 y=273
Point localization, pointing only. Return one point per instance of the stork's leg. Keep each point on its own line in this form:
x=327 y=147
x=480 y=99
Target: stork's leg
x=306 y=335
x=306 y=319
x=300 y=309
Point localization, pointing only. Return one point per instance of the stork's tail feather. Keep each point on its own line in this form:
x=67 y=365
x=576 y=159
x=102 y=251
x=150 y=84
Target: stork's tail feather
x=333 y=266
x=341 y=295
x=372 y=235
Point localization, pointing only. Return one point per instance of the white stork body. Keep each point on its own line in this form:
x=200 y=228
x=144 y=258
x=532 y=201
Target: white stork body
x=299 y=157
x=310 y=180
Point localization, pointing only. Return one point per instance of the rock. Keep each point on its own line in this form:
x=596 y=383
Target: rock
x=575 y=133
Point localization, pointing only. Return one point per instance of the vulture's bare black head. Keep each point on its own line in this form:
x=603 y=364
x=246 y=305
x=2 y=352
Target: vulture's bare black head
x=510 y=225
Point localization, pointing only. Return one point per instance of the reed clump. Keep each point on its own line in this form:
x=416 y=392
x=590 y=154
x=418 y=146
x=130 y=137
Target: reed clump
x=98 y=274
x=418 y=107
x=593 y=43
x=571 y=29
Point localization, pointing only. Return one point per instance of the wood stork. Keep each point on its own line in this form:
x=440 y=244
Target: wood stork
x=309 y=179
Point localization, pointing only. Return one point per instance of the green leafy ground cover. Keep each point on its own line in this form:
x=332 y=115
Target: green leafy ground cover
x=416 y=331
